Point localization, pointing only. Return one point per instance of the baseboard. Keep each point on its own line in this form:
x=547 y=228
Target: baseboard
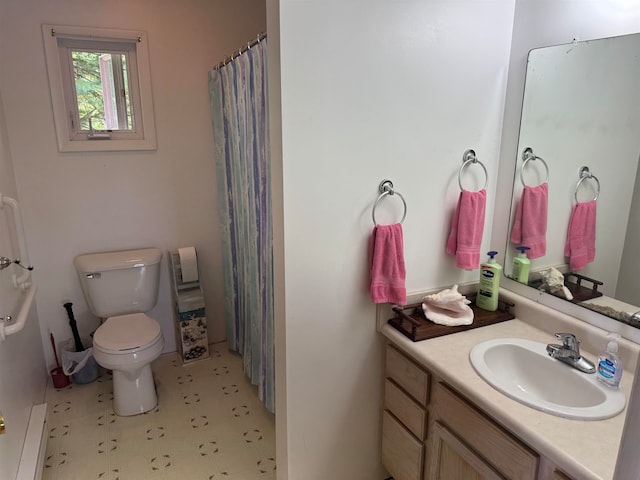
x=35 y=445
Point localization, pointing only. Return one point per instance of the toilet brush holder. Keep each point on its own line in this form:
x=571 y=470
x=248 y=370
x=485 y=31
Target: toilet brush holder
x=60 y=380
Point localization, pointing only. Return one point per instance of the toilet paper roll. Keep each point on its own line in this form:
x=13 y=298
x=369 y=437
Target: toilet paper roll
x=188 y=264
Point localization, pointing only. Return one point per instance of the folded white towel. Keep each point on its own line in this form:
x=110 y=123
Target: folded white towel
x=448 y=307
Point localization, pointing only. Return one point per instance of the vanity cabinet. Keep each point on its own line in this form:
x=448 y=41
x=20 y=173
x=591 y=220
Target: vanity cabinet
x=404 y=420
x=431 y=432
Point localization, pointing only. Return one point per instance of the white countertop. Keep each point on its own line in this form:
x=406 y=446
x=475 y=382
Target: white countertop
x=585 y=450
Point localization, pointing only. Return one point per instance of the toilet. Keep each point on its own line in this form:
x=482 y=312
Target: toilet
x=119 y=288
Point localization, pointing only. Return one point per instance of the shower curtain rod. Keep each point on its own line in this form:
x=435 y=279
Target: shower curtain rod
x=240 y=51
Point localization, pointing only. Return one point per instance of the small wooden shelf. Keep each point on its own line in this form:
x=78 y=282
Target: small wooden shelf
x=411 y=321
x=573 y=281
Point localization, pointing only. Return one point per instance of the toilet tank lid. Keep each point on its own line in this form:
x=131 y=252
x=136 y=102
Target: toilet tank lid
x=121 y=259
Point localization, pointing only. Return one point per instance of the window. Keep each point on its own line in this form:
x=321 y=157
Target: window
x=100 y=88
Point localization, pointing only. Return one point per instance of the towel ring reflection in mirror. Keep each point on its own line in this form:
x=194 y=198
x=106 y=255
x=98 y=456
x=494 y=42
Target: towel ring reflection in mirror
x=585 y=174
x=469 y=158
x=386 y=188
x=527 y=155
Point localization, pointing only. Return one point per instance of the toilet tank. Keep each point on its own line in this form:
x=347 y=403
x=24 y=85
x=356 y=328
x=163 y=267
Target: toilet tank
x=120 y=282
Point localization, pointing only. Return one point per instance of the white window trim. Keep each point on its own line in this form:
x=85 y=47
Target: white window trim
x=64 y=135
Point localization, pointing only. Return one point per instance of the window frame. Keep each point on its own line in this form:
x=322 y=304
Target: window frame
x=57 y=41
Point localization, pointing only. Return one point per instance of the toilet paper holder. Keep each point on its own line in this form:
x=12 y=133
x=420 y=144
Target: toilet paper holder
x=185 y=268
x=189 y=311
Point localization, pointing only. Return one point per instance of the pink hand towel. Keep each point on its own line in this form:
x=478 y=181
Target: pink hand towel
x=530 y=224
x=386 y=256
x=467 y=227
x=581 y=236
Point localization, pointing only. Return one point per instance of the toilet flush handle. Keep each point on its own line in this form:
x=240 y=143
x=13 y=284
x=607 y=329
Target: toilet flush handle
x=93 y=275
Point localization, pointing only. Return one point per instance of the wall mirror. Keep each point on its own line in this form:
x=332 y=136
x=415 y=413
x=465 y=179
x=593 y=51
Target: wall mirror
x=581 y=108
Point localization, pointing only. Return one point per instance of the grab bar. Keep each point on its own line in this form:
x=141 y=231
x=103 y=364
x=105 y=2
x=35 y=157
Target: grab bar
x=18 y=281
x=20 y=321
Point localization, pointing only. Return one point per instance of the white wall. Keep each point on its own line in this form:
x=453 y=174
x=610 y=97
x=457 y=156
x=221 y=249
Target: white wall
x=74 y=203
x=371 y=90
x=23 y=376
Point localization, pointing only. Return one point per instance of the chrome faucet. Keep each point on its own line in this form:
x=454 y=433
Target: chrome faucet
x=569 y=353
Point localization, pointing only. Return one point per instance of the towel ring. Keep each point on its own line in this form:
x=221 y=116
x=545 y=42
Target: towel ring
x=386 y=188
x=527 y=154
x=468 y=158
x=584 y=174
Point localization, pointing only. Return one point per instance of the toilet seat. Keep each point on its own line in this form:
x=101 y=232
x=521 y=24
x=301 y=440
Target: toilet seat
x=126 y=333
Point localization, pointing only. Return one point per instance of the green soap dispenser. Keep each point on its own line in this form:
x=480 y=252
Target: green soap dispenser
x=521 y=266
x=488 y=286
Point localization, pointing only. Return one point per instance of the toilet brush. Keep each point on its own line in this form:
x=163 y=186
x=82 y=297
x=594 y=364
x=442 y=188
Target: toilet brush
x=60 y=380
x=74 y=327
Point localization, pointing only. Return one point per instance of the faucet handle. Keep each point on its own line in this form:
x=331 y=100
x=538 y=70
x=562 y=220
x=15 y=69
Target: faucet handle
x=569 y=340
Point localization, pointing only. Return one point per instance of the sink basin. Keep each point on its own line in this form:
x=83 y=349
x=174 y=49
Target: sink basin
x=522 y=370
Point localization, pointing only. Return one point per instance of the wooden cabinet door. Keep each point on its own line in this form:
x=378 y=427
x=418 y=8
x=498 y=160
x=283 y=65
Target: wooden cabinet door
x=482 y=435
x=451 y=459
x=558 y=475
x=402 y=453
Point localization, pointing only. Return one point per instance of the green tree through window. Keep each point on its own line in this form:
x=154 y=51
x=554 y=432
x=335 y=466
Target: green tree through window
x=101 y=88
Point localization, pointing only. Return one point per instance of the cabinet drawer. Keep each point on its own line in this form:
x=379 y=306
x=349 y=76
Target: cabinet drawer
x=413 y=379
x=405 y=409
x=402 y=453
x=504 y=452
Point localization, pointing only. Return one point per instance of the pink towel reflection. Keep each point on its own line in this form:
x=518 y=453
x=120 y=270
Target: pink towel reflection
x=581 y=236
x=467 y=228
x=388 y=273
x=530 y=223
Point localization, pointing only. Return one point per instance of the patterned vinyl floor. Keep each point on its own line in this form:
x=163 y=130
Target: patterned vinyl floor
x=209 y=424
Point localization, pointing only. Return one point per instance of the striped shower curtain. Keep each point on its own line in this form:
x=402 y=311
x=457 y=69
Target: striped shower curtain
x=239 y=108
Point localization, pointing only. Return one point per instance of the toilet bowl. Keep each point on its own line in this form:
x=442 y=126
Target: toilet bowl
x=120 y=286
x=127 y=344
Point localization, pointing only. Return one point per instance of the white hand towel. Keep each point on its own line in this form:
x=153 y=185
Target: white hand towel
x=448 y=307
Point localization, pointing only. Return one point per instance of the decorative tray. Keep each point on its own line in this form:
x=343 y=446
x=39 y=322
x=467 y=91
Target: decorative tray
x=580 y=292
x=411 y=321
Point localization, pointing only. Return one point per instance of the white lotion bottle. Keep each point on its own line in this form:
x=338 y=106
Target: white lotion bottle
x=609 y=369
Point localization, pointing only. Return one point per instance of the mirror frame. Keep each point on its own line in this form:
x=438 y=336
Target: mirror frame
x=572 y=309
x=508 y=176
